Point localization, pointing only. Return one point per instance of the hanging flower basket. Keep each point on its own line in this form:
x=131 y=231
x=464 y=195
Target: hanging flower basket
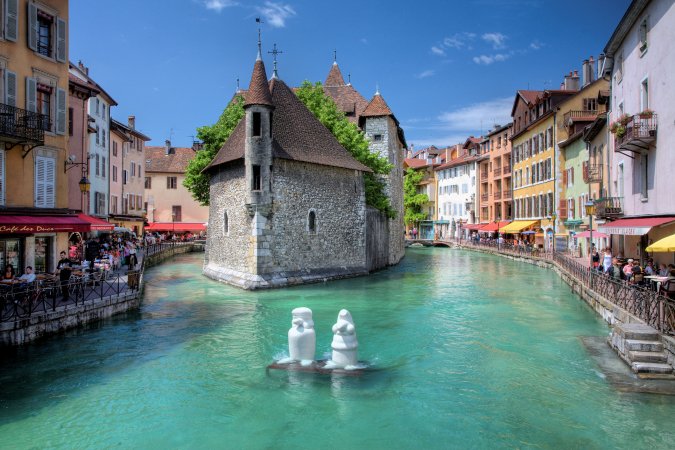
x=625 y=119
x=646 y=114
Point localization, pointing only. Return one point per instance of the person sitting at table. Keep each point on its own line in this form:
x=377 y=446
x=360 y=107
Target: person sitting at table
x=649 y=268
x=671 y=270
x=663 y=270
x=9 y=272
x=615 y=271
x=27 y=277
x=64 y=269
x=628 y=269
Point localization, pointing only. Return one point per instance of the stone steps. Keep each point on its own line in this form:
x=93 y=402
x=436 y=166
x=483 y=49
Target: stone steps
x=648 y=357
x=644 y=345
x=652 y=368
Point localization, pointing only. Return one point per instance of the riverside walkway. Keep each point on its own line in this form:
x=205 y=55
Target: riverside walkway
x=29 y=312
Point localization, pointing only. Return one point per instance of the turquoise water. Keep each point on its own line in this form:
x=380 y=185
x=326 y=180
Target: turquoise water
x=469 y=351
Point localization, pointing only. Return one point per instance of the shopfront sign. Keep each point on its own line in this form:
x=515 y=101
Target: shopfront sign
x=28 y=229
x=625 y=231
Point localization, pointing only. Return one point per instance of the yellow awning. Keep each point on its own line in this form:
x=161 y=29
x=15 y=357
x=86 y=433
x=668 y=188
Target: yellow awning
x=517 y=225
x=667 y=244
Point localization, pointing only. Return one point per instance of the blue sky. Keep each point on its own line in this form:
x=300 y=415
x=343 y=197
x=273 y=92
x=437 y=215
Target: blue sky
x=447 y=69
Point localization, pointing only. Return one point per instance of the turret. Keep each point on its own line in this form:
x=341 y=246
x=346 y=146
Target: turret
x=258 y=148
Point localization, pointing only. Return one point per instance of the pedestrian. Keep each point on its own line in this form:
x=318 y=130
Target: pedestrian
x=607 y=260
x=64 y=268
x=595 y=257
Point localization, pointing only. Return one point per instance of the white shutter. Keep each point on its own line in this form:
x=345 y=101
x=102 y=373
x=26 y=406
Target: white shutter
x=31 y=94
x=32 y=27
x=10 y=88
x=11 y=20
x=50 y=182
x=60 y=111
x=2 y=177
x=61 y=40
x=39 y=182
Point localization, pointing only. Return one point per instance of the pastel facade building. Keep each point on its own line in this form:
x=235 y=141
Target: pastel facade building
x=456 y=189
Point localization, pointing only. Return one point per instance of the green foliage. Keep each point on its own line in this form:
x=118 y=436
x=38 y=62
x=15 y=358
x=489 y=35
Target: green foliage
x=350 y=137
x=213 y=137
x=412 y=201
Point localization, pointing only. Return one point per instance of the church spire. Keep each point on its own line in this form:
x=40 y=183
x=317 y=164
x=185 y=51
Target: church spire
x=259 y=57
x=258 y=89
x=334 y=76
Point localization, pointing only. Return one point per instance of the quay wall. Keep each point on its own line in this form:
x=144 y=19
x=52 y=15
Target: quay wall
x=610 y=312
x=62 y=318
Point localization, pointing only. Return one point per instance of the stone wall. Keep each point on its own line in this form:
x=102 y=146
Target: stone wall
x=389 y=147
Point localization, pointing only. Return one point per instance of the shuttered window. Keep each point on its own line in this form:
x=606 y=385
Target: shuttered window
x=11 y=17
x=10 y=88
x=45 y=174
x=60 y=111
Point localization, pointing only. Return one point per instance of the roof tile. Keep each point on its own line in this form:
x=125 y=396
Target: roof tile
x=258 y=90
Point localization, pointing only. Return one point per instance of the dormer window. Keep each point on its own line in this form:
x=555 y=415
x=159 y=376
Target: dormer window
x=257 y=125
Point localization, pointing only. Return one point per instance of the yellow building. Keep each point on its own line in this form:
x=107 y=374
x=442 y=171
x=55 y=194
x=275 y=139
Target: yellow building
x=34 y=220
x=535 y=170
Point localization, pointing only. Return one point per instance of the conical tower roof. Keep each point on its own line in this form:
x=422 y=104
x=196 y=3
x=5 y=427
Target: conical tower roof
x=334 y=77
x=258 y=89
x=377 y=107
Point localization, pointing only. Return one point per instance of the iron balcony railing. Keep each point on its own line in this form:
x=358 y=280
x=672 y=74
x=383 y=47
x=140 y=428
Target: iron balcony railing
x=21 y=126
x=592 y=172
x=507 y=169
x=484 y=197
x=497 y=195
x=607 y=207
x=498 y=172
x=587 y=114
x=639 y=134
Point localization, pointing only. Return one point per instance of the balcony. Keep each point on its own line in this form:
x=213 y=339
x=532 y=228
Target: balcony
x=484 y=197
x=497 y=195
x=507 y=170
x=483 y=175
x=497 y=172
x=507 y=194
x=584 y=115
x=18 y=126
x=609 y=207
x=639 y=135
x=592 y=172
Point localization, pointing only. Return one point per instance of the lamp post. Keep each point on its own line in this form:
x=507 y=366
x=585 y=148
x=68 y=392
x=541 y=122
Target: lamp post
x=590 y=212
x=554 y=216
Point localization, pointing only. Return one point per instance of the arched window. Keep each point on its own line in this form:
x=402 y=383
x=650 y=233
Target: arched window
x=226 y=224
x=311 y=221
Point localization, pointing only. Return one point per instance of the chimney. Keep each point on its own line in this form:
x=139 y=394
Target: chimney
x=83 y=68
x=571 y=82
x=132 y=122
x=167 y=147
x=591 y=70
x=601 y=61
x=584 y=73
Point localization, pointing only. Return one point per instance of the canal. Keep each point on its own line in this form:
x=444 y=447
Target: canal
x=467 y=350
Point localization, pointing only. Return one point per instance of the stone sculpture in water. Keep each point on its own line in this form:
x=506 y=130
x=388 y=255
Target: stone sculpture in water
x=301 y=337
x=345 y=346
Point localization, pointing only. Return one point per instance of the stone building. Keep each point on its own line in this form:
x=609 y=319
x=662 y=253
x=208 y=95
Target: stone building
x=385 y=136
x=287 y=201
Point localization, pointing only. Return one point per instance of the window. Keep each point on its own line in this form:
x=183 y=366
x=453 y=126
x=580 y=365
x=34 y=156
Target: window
x=133 y=169
x=44 y=24
x=643 y=31
x=255 y=180
x=139 y=201
x=148 y=183
x=618 y=75
x=114 y=148
x=257 y=125
x=125 y=176
x=114 y=173
x=590 y=104
x=44 y=104
x=99 y=206
x=113 y=203
x=98 y=172
x=226 y=224
x=176 y=213
x=644 y=95
x=377 y=137
x=103 y=110
x=171 y=183
x=311 y=221
x=103 y=167
x=98 y=135
x=644 y=173
x=70 y=121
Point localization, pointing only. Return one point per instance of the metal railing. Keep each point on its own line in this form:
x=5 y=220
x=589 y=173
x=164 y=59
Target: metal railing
x=609 y=207
x=497 y=195
x=20 y=125
x=639 y=128
x=579 y=114
x=497 y=172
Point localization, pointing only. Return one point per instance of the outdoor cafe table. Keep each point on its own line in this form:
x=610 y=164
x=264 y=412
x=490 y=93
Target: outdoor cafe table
x=658 y=280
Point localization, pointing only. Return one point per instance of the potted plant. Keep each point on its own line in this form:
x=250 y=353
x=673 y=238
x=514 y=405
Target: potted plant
x=646 y=114
x=618 y=129
x=625 y=119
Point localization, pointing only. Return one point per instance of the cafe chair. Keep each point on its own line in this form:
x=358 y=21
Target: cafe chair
x=668 y=289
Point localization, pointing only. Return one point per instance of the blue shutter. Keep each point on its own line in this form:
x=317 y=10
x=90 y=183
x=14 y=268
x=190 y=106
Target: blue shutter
x=10 y=88
x=31 y=94
x=39 y=182
x=60 y=111
x=32 y=27
x=11 y=20
x=61 y=46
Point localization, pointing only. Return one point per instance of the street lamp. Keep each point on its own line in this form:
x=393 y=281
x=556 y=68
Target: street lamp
x=590 y=212
x=84 y=184
x=554 y=216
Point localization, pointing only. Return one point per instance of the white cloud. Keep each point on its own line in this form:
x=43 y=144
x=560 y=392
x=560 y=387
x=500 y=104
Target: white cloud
x=276 y=14
x=218 y=5
x=470 y=117
x=536 y=44
x=489 y=59
x=437 y=50
x=496 y=39
x=425 y=74
x=439 y=141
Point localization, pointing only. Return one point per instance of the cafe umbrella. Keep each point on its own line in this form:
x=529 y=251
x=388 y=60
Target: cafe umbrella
x=666 y=244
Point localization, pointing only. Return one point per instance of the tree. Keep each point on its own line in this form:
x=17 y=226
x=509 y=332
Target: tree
x=213 y=137
x=412 y=201
x=351 y=138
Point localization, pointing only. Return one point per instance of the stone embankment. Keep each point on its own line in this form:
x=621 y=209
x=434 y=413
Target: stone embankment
x=31 y=315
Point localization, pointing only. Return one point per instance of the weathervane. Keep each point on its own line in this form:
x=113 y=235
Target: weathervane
x=335 y=56
x=275 y=52
x=259 y=21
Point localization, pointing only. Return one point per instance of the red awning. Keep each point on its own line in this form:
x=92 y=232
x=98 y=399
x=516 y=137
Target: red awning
x=175 y=226
x=42 y=224
x=494 y=226
x=587 y=234
x=96 y=223
x=473 y=226
x=634 y=227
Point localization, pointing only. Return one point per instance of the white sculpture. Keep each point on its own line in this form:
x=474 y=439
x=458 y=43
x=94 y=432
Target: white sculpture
x=301 y=337
x=345 y=346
